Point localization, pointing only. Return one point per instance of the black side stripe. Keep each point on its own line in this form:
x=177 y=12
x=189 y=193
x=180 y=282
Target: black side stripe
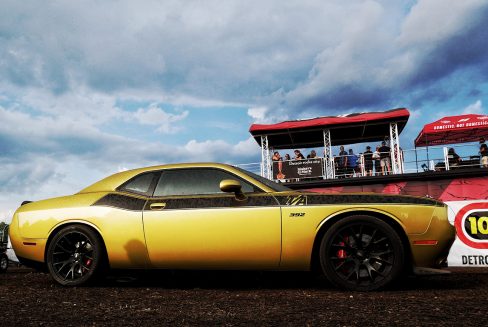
x=126 y=202
x=337 y=199
x=121 y=201
x=227 y=201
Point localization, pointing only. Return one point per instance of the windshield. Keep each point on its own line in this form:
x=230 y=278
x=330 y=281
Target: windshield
x=275 y=186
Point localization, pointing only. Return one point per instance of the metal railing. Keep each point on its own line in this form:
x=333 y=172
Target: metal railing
x=436 y=158
x=254 y=167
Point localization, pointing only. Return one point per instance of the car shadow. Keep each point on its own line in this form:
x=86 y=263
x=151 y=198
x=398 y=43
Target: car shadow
x=239 y=280
x=251 y=280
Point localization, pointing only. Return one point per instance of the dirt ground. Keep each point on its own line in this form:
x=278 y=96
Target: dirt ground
x=241 y=298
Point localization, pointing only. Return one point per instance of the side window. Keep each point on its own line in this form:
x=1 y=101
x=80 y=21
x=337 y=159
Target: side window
x=140 y=184
x=195 y=181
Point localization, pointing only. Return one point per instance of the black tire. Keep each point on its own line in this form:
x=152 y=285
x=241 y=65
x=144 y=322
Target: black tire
x=75 y=255
x=361 y=253
x=3 y=262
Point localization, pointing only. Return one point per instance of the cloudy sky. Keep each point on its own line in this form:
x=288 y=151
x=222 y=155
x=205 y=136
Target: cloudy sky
x=91 y=87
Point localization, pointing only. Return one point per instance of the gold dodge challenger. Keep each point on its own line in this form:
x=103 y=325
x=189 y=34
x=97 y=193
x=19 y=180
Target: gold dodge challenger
x=216 y=216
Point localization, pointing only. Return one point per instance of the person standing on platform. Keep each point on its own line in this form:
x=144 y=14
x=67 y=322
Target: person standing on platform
x=385 y=161
x=368 y=161
x=276 y=156
x=453 y=158
x=298 y=155
x=376 y=160
x=352 y=163
x=484 y=155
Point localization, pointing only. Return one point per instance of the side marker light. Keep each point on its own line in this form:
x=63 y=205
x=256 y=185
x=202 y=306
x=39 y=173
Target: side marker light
x=425 y=242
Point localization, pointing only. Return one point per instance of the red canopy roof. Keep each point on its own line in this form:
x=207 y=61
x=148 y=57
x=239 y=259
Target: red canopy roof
x=454 y=129
x=345 y=129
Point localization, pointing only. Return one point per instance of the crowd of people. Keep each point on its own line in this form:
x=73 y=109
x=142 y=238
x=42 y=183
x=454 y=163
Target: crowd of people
x=455 y=161
x=348 y=163
x=378 y=162
x=298 y=156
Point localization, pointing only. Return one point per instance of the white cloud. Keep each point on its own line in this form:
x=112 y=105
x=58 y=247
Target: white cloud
x=267 y=115
x=6 y=215
x=247 y=148
x=222 y=151
x=153 y=115
x=474 y=108
x=258 y=114
x=18 y=177
x=433 y=21
x=81 y=106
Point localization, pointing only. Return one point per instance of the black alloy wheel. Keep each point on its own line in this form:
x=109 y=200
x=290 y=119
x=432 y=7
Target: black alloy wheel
x=3 y=262
x=74 y=255
x=361 y=253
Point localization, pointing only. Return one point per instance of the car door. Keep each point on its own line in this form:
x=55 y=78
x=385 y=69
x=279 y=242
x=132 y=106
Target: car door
x=191 y=223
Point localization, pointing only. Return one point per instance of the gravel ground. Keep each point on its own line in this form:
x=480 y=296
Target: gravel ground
x=29 y=298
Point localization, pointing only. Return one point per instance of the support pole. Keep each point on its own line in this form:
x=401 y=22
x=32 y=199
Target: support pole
x=265 y=158
x=416 y=160
x=329 y=172
x=446 y=158
x=395 y=148
x=427 y=147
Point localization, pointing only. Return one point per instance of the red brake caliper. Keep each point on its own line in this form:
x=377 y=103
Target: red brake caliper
x=341 y=254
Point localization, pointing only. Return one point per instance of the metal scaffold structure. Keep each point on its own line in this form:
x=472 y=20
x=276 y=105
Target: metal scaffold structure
x=331 y=131
x=265 y=158
x=329 y=171
x=396 y=163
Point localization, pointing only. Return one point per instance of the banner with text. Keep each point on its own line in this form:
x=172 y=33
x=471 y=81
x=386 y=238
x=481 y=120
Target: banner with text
x=471 y=221
x=298 y=168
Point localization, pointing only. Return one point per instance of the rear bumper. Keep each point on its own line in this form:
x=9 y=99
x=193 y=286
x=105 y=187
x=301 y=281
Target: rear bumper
x=40 y=266
x=31 y=249
x=441 y=235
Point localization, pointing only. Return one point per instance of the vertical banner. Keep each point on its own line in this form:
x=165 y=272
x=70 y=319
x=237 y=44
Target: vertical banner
x=470 y=249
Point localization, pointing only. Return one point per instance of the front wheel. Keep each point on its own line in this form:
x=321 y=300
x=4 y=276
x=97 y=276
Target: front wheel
x=361 y=253
x=74 y=255
x=3 y=263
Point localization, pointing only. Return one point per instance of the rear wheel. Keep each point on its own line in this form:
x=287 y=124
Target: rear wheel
x=361 y=253
x=3 y=262
x=74 y=255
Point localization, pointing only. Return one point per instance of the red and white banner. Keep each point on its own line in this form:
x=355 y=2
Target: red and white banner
x=471 y=221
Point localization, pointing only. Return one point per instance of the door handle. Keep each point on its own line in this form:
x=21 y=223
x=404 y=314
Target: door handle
x=157 y=206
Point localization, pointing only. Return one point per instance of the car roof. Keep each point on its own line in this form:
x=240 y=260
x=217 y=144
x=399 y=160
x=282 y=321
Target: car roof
x=111 y=182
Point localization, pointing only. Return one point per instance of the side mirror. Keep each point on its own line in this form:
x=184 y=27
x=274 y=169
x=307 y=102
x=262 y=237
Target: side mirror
x=231 y=185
